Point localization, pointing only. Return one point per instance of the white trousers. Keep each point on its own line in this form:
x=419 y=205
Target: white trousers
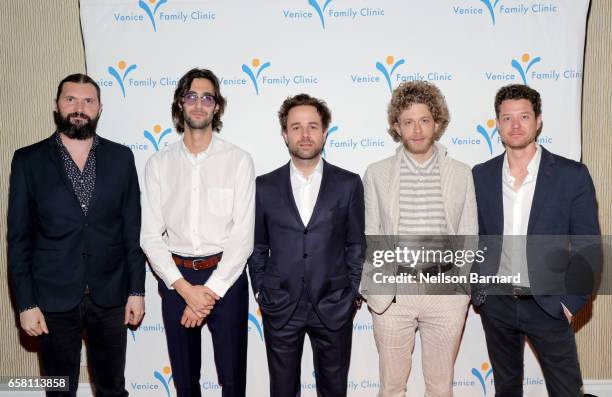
x=440 y=320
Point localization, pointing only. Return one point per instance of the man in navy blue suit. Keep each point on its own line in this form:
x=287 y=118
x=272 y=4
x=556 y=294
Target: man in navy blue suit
x=527 y=193
x=73 y=242
x=309 y=250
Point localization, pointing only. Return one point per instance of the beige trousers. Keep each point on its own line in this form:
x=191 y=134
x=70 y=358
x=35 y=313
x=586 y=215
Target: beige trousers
x=440 y=320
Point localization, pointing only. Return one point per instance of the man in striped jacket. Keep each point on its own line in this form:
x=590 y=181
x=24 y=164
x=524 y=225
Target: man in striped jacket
x=419 y=199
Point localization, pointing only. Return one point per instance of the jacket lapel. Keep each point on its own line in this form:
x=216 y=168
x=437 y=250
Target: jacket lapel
x=394 y=183
x=54 y=157
x=326 y=185
x=542 y=188
x=497 y=202
x=103 y=171
x=287 y=193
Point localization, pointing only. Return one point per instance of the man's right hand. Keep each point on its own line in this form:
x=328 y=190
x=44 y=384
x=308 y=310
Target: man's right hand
x=33 y=322
x=196 y=297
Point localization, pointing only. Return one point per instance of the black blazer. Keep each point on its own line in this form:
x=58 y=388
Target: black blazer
x=563 y=206
x=54 y=250
x=326 y=256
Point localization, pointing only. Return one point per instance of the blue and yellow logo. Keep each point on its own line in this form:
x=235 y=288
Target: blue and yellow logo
x=488 y=133
x=121 y=73
x=151 y=12
x=330 y=131
x=491 y=8
x=524 y=65
x=483 y=375
x=164 y=377
x=256 y=323
x=390 y=61
x=320 y=10
x=254 y=73
x=156 y=136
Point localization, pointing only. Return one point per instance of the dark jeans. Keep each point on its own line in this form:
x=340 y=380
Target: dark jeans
x=106 y=345
x=507 y=321
x=228 y=326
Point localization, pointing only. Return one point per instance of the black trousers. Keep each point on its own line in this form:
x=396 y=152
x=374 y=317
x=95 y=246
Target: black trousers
x=228 y=325
x=106 y=345
x=331 y=353
x=507 y=321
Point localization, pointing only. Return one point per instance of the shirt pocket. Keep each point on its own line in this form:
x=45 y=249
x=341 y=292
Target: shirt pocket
x=220 y=201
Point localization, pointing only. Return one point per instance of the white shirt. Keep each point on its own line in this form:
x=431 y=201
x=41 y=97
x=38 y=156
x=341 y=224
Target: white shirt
x=517 y=208
x=199 y=205
x=305 y=189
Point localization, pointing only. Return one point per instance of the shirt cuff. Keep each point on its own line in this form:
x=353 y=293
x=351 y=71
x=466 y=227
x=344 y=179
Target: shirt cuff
x=217 y=285
x=137 y=293
x=170 y=276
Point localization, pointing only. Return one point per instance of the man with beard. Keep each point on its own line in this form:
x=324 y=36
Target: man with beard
x=198 y=208
x=525 y=192
x=418 y=198
x=309 y=249
x=73 y=252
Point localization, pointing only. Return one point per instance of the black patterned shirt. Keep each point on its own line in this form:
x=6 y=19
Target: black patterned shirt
x=83 y=183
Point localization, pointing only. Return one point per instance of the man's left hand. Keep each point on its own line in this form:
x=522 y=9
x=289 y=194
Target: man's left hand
x=134 y=310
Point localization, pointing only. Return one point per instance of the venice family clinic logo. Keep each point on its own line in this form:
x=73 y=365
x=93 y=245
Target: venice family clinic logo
x=491 y=8
x=156 y=137
x=390 y=62
x=256 y=323
x=488 y=134
x=524 y=65
x=482 y=375
x=164 y=377
x=330 y=131
x=320 y=10
x=254 y=73
x=121 y=73
x=151 y=12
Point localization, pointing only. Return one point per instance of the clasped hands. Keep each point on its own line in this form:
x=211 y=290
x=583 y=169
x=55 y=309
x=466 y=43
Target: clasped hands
x=200 y=302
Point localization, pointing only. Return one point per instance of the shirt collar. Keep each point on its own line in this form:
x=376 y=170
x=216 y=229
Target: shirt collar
x=202 y=154
x=58 y=140
x=295 y=172
x=532 y=167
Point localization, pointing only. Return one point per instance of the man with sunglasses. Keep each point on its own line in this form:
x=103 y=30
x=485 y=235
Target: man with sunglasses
x=198 y=206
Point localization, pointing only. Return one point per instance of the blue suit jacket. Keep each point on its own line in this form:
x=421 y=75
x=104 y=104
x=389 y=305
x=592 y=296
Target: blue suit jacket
x=563 y=205
x=54 y=250
x=325 y=257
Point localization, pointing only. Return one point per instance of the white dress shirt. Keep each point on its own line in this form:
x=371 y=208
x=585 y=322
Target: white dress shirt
x=305 y=189
x=199 y=205
x=517 y=209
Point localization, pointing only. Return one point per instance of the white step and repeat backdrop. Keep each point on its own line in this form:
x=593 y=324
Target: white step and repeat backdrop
x=351 y=53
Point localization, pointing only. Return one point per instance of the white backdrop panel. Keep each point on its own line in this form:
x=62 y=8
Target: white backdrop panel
x=351 y=53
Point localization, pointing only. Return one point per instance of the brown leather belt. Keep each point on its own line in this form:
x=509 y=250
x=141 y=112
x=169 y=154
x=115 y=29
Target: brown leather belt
x=198 y=263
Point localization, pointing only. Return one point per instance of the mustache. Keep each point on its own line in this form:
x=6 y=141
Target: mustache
x=79 y=115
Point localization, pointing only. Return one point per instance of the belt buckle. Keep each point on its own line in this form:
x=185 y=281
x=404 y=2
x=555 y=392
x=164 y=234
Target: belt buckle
x=194 y=262
x=517 y=292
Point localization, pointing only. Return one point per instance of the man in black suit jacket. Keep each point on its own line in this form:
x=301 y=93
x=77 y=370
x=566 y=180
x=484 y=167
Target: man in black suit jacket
x=73 y=242
x=547 y=202
x=309 y=250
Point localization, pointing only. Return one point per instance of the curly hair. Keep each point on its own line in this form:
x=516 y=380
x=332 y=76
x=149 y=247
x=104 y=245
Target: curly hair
x=184 y=85
x=304 y=100
x=413 y=92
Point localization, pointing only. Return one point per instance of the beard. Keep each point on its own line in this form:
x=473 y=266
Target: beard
x=81 y=131
x=198 y=125
x=305 y=154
